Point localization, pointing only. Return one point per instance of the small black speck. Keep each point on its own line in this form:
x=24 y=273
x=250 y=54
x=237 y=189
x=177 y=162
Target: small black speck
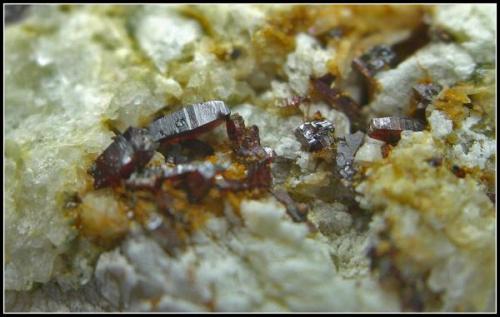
x=236 y=52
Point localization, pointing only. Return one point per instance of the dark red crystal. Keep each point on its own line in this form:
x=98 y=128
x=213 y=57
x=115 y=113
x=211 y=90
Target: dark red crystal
x=388 y=129
x=128 y=152
x=245 y=142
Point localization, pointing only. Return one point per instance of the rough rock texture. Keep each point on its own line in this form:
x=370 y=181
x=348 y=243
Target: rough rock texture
x=445 y=63
x=259 y=267
x=75 y=75
x=442 y=225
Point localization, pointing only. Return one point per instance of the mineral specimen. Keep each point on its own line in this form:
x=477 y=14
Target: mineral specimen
x=315 y=135
x=128 y=152
x=389 y=129
x=75 y=74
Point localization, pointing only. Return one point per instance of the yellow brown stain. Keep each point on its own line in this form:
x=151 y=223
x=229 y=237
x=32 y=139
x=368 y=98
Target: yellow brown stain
x=452 y=102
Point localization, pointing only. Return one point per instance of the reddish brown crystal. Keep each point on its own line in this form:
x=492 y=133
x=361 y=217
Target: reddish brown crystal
x=368 y=65
x=244 y=141
x=259 y=174
x=383 y=57
x=197 y=185
x=388 y=129
x=321 y=87
x=128 y=152
x=418 y=38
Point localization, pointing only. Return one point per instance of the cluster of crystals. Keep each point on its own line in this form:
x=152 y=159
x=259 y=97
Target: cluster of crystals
x=134 y=149
x=315 y=135
x=246 y=145
x=245 y=141
x=126 y=157
x=198 y=178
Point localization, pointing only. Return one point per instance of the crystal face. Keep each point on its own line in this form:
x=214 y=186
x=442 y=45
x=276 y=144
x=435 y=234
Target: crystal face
x=189 y=121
